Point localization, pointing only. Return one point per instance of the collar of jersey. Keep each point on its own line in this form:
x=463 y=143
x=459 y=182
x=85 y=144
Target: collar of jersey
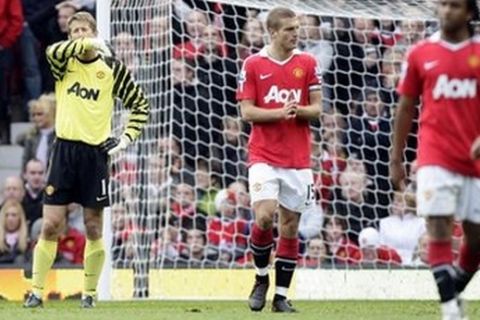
x=264 y=53
x=88 y=61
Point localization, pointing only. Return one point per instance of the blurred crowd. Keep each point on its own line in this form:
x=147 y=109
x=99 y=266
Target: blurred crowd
x=180 y=196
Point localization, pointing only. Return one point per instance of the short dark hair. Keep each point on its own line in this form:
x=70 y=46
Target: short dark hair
x=276 y=14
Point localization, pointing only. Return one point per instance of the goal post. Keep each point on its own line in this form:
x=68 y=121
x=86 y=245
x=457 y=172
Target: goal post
x=180 y=201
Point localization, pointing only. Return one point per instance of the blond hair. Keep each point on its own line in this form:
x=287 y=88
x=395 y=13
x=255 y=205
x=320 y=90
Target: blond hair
x=47 y=103
x=275 y=16
x=83 y=16
x=22 y=230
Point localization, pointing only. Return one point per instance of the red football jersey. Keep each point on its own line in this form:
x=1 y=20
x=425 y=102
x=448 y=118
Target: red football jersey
x=270 y=83
x=446 y=76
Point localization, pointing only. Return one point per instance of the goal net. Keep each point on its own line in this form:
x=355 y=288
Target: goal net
x=180 y=196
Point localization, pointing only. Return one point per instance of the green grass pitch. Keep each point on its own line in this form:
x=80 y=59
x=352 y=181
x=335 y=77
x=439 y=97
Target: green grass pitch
x=223 y=310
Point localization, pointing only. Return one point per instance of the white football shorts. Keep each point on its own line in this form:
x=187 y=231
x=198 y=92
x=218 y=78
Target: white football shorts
x=442 y=192
x=292 y=188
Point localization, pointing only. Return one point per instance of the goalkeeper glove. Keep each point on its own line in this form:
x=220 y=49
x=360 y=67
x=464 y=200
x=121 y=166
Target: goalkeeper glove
x=114 y=145
x=101 y=46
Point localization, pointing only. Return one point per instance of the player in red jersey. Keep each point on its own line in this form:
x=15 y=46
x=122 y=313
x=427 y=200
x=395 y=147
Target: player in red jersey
x=279 y=92
x=444 y=71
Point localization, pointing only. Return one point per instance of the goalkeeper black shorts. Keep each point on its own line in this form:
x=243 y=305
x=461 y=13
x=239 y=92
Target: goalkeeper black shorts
x=78 y=173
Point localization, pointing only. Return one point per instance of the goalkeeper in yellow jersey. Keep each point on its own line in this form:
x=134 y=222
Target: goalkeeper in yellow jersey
x=87 y=80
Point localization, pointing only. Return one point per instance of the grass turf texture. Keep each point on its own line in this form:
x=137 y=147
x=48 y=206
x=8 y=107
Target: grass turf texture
x=214 y=310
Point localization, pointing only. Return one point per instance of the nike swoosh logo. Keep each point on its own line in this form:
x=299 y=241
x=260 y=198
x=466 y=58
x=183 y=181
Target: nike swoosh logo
x=70 y=71
x=101 y=198
x=265 y=76
x=431 y=64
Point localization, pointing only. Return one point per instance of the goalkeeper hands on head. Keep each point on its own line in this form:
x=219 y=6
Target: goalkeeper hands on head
x=114 y=145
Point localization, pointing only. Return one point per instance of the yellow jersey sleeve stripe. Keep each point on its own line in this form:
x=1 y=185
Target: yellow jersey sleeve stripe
x=59 y=53
x=132 y=98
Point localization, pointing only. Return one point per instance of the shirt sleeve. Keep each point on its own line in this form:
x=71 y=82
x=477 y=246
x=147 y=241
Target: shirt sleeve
x=59 y=53
x=246 y=89
x=410 y=81
x=314 y=76
x=133 y=98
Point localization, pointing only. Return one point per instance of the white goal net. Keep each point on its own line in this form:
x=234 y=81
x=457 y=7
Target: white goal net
x=179 y=195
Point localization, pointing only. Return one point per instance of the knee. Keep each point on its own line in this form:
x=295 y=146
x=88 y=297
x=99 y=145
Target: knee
x=264 y=219
x=289 y=228
x=93 y=230
x=51 y=229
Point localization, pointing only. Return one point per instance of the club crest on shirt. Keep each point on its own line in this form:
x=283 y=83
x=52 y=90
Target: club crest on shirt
x=49 y=190
x=428 y=194
x=100 y=74
x=474 y=61
x=298 y=73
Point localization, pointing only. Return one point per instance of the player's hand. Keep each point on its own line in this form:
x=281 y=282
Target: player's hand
x=101 y=46
x=397 y=174
x=114 y=145
x=475 y=149
x=290 y=110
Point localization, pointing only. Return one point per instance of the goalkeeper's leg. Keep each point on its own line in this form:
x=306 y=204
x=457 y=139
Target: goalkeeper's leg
x=261 y=243
x=286 y=259
x=54 y=219
x=94 y=255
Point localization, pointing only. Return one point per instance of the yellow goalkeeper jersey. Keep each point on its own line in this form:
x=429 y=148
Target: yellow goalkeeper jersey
x=86 y=90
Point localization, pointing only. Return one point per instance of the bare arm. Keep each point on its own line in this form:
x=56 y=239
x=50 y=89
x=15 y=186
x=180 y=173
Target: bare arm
x=402 y=126
x=252 y=113
x=314 y=109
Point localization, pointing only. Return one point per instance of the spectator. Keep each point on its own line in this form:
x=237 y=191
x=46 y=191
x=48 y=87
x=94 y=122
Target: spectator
x=348 y=66
x=190 y=113
x=49 y=24
x=227 y=233
x=311 y=41
x=28 y=45
x=196 y=23
x=206 y=188
x=218 y=76
x=194 y=250
x=357 y=204
x=34 y=177
x=38 y=141
x=340 y=249
x=369 y=137
x=373 y=252
x=316 y=254
x=402 y=229
x=242 y=198
x=13 y=233
x=252 y=39
x=184 y=208
x=391 y=71
x=11 y=21
x=332 y=158
x=231 y=150
x=420 y=256
x=124 y=48
x=164 y=248
x=13 y=189
x=412 y=31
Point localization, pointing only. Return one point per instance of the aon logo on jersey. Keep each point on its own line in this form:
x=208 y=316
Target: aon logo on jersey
x=82 y=92
x=454 y=88
x=282 y=95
